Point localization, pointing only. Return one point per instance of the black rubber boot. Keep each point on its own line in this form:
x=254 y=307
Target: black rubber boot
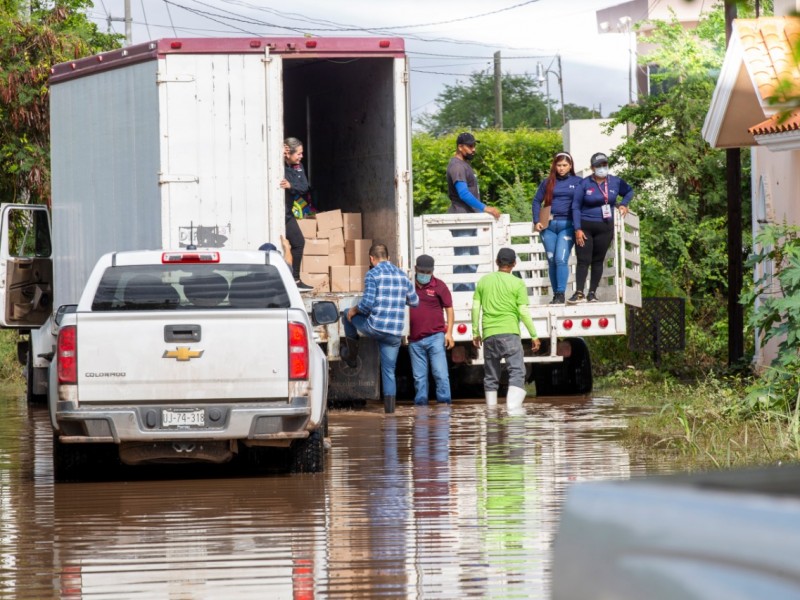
x=349 y=352
x=388 y=404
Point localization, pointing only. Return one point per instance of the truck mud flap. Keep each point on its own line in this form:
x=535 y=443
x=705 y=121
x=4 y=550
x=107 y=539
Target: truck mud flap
x=362 y=383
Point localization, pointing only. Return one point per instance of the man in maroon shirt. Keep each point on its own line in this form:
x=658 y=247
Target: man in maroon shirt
x=430 y=336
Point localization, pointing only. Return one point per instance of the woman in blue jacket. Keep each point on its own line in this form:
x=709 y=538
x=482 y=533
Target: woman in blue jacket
x=558 y=236
x=593 y=206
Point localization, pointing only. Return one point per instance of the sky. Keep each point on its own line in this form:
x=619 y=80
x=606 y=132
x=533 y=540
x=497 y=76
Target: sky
x=446 y=40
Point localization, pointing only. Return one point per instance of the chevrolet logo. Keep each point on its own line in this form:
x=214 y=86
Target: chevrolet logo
x=183 y=353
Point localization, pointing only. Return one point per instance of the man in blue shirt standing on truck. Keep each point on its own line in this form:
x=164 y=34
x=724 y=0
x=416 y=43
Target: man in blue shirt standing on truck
x=380 y=315
x=462 y=189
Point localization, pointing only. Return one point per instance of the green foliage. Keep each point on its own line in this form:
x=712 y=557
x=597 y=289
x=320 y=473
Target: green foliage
x=679 y=179
x=776 y=316
x=10 y=371
x=509 y=165
x=54 y=31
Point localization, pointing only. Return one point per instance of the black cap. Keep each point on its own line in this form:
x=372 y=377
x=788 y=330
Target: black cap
x=425 y=263
x=506 y=256
x=467 y=139
x=598 y=158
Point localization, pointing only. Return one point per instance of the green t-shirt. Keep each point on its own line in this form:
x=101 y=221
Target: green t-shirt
x=503 y=299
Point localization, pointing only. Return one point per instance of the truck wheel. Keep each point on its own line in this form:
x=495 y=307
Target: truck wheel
x=308 y=455
x=78 y=462
x=30 y=394
x=572 y=377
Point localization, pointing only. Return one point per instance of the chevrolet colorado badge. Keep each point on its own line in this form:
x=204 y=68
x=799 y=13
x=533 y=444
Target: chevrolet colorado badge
x=183 y=353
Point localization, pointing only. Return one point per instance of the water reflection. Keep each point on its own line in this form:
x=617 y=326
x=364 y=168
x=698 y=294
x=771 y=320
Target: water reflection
x=432 y=502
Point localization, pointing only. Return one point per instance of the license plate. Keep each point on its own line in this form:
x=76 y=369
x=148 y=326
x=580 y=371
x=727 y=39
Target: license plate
x=176 y=418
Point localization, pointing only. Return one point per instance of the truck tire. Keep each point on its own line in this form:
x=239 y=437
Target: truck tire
x=573 y=377
x=79 y=462
x=308 y=455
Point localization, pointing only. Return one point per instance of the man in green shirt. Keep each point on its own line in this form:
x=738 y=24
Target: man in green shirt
x=503 y=300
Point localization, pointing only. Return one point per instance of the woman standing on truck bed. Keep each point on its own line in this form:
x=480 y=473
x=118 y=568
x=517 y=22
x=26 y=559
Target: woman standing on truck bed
x=296 y=185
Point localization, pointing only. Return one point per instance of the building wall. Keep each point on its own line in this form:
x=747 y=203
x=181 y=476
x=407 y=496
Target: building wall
x=776 y=187
x=584 y=137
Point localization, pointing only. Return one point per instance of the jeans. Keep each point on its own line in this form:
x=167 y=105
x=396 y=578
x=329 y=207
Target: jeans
x=465 y=251
x=497 y=347
x=388 y=344
x=558 y=240
x=430 y=350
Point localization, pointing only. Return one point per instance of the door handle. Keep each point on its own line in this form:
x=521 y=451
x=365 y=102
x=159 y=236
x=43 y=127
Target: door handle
x=182 y=333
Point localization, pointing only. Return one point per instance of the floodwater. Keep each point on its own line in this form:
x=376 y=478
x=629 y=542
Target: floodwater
x=431 y=502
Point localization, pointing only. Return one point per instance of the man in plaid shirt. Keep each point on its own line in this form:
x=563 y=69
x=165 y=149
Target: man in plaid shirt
x=380 y=315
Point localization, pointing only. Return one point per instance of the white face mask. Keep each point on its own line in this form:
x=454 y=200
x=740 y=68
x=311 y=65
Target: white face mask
x=601 y=172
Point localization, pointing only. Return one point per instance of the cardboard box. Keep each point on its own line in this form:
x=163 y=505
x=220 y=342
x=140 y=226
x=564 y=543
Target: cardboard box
x=308 y=227
x=357 y=274
x=357 y=252
x=336 y=258
x=331 y=219
x=314 y=264
x=340 y=278
x=315 y=247
x=352 y=226
x=335 y=240
x=319 y=281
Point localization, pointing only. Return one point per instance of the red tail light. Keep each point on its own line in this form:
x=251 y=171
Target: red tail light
x=567 y=323
x=462 y=328
x=298 y=351
x=68 y=355
x=586 y=323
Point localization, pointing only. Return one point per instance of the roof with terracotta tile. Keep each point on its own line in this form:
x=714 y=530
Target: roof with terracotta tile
x=767 y=43
x=773 y=125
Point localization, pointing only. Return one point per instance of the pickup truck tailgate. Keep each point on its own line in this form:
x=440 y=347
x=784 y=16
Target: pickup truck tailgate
x=239 y=356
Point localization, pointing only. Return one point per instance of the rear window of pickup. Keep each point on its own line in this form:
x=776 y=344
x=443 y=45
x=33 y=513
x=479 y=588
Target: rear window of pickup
x=197 y=286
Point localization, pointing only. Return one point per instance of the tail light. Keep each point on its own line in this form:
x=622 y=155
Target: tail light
x=567 y=323
x=68 y=355
x=298 y=351
x=462 y=328
x=586 y=323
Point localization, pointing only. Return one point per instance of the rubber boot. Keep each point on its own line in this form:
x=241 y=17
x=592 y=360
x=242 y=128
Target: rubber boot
x=349 y=352
x=388 y=404
x=514 y=398
x=491 y=398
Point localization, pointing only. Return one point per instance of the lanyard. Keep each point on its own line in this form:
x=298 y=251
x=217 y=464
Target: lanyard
x=605 y=193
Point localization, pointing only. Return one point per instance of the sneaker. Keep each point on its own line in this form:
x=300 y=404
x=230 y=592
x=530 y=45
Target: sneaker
x=303 y=287
x=558 y=298
x=590 y=297
x=576 y=298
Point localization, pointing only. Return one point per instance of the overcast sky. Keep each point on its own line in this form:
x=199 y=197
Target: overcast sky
x=446 y=40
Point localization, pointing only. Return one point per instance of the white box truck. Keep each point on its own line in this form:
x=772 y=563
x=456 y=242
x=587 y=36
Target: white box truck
x=180 y=141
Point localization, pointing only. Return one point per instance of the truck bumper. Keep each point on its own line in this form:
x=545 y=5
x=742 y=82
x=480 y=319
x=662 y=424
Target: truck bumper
x=266 y=423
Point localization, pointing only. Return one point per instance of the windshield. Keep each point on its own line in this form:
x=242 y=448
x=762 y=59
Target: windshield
x=196 y=286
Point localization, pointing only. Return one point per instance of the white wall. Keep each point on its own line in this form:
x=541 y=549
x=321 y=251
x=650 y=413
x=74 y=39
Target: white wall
x=584 y=137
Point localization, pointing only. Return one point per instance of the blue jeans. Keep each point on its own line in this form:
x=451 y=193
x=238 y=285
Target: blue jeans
x=558 y=240
x=430 y=350
x=388 y=344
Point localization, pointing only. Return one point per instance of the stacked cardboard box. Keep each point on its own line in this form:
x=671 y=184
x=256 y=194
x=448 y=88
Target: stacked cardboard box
x=334 y=246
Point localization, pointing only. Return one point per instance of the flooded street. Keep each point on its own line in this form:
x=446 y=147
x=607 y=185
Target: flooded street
x=431 y=502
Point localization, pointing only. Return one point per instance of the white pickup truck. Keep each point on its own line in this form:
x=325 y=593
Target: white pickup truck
x=194 y=355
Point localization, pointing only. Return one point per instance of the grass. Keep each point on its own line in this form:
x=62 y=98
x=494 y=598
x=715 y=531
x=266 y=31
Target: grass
x=10 y=369
x=699 y=425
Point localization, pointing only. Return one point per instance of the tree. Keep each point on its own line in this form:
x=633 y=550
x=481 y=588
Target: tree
x=34 y=35
x=679 y=179
x=470 y=105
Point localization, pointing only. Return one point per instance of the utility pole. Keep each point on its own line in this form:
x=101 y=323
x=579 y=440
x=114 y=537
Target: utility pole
x=498 y=92
x=128 y=22
x=561 y=89
x=733 y=172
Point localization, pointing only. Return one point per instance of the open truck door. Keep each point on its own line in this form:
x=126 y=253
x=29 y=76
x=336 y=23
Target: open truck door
x=26 y=266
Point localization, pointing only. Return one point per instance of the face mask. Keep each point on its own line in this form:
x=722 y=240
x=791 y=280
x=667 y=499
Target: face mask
x=601 y=172
x=423 y=278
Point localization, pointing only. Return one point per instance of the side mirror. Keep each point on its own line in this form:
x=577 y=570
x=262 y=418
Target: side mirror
x=63 y=310
x=324 y=312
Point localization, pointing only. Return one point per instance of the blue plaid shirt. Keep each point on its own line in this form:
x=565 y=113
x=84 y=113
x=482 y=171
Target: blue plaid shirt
x=387 y=290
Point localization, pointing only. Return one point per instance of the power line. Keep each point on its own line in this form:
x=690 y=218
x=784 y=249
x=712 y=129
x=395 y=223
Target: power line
x=146 y=24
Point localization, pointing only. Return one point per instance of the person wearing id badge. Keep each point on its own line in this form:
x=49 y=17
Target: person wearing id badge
x=593 y=206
